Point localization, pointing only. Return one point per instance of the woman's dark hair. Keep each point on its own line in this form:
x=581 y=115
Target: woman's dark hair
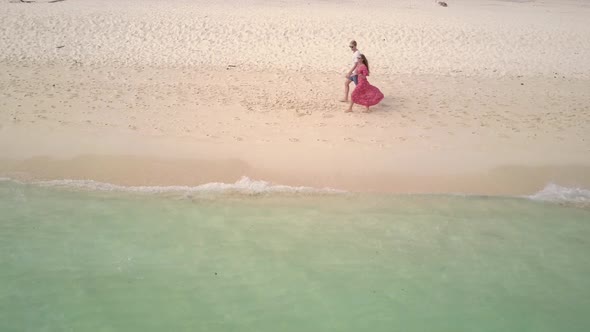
x=365 y=62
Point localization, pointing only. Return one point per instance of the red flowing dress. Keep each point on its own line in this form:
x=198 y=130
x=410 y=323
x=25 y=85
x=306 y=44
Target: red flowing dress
x=365 y=94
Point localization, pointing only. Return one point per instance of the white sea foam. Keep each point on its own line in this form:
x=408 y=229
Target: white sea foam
x=551 y=193
x=558 y=194
x=244 y=185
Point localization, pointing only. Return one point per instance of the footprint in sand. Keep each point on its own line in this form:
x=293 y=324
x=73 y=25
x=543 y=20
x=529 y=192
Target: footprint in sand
x=293 y=139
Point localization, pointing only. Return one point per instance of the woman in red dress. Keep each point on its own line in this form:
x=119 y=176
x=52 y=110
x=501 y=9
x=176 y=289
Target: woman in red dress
x=364 y=94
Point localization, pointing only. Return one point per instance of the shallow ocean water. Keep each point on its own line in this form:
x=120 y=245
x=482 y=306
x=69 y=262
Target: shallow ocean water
x=80 y=260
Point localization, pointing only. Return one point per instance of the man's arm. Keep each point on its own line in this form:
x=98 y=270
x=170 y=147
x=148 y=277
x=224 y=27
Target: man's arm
x=352 y=69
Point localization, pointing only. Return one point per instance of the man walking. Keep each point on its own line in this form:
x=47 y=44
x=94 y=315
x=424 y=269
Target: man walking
x=351 y=75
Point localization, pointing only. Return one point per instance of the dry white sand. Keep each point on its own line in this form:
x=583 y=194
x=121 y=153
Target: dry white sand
x=469 y=89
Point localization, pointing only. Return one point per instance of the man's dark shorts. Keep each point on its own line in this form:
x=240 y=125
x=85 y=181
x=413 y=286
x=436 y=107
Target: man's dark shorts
x=354 y=78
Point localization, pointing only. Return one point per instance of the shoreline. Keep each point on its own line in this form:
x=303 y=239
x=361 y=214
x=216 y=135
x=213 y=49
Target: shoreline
x=163 y=161
x=498 y=182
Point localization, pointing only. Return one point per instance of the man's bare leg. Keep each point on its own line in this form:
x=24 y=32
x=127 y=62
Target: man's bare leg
x=346 y=90
x=349 y=109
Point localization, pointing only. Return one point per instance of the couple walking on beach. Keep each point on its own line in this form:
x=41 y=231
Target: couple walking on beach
x=364 y=93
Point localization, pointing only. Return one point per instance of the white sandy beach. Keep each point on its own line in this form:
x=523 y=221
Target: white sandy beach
x=482 y=96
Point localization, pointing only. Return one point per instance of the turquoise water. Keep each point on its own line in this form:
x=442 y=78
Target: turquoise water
x=89 y=261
